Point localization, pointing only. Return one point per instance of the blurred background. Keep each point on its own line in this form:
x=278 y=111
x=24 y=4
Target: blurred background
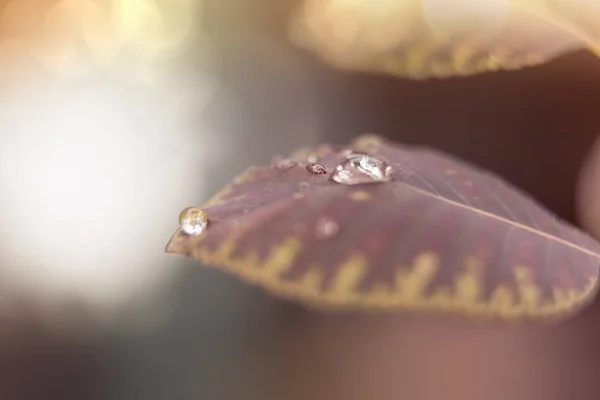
x=117 y=114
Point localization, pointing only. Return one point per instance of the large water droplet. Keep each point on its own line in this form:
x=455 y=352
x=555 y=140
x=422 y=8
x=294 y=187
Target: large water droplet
x=326 y=228
x=363 y=169
x=316 y=169
x=193 y=221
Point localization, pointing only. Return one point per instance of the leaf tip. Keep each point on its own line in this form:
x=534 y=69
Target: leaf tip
x=174 y=246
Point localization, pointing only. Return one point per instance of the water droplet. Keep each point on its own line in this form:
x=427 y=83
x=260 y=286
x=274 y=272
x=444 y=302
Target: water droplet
x=326 y=228
x=316 y=169
x=363 y=169
x=193 y=221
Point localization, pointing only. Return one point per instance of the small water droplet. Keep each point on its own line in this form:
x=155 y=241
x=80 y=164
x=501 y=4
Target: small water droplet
x=193 y=221
x=316 y=169
x=363 y=169
x=326 y=228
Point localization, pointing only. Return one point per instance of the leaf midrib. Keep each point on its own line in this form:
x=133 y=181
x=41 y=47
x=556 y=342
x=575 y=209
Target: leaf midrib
x=509 y=222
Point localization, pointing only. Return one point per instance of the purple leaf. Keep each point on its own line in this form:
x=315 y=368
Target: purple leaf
x=442 y=235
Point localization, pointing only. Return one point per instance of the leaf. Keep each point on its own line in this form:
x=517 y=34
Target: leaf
x=442 y=236
x=440 y=38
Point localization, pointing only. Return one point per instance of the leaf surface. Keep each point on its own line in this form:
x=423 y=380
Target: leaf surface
x=442 y=236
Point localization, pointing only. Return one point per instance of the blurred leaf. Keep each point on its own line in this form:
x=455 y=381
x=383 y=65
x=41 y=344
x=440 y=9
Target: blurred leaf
x=441 y=38
x=442 y=236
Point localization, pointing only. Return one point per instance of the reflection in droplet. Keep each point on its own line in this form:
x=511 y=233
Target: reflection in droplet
x=363 y=169
x=316 y=169
x=193 y=221
x=326 y=228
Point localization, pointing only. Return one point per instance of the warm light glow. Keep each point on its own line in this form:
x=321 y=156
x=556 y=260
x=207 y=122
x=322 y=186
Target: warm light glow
x=92 y=182
x=95 y=167
x=425 y=38
x=466 y=17
x=77 y=38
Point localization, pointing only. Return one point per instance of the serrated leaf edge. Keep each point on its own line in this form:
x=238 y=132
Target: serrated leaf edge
x=408 y=293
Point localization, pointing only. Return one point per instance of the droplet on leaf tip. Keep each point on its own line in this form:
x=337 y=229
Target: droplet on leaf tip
x=193 y=221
